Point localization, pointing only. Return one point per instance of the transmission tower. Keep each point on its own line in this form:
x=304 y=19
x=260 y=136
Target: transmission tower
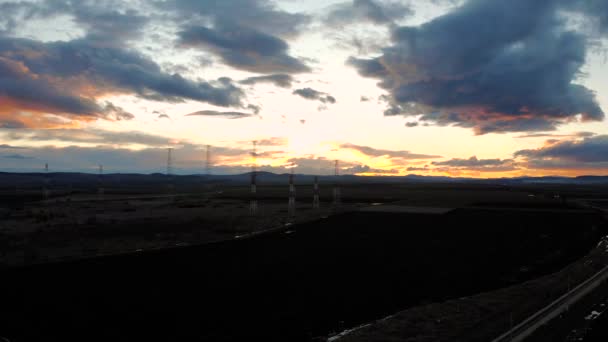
x=315 y=191
x=253 y=205
x=208 y=161
x=291 y=209
x=100 y=189
x=336 y=187
x=169 y=161
x=46 y=192
x=170 y=170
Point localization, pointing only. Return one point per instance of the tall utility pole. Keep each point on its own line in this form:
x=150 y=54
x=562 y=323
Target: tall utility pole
x=45 y=188
x=170 y=170
x=315 y=196
x=336 y=187
x=169 y=161
x=100 y=189
x=208 y=161
x=291 y=208
x=253 y=205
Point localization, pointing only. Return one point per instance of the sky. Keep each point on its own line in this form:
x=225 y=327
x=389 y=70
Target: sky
x=464 y=88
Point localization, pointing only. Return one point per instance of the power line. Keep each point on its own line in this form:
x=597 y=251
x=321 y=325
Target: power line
x=291 y=209
x=169 y=161
x=253 y=205
x=46 y=192
x=170 y=186
x=336 y=187
x=100 y=189
x=208 y=161
x=315 y=198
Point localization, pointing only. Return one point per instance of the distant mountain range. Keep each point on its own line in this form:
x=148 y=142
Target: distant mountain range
x=26 y=180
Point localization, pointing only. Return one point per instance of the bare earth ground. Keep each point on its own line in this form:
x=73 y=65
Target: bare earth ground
x=83 y=226
x=480 y=317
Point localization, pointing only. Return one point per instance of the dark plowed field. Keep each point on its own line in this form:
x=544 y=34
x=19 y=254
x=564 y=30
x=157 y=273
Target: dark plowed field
x=325 y=276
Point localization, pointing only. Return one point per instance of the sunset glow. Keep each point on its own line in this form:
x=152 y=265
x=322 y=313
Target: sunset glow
x=317 y=81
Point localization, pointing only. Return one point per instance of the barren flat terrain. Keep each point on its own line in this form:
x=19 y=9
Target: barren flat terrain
x=190 y=266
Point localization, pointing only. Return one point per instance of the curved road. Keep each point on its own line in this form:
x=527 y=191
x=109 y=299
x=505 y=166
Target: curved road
x=527 y=327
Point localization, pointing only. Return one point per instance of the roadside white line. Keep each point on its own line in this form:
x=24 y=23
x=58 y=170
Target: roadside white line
x=543 y=316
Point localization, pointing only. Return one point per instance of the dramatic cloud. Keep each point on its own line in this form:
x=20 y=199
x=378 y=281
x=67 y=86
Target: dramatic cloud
x=551 y=135
x=89 y=136
x=473 y=165
x=323 y=166
x=188 y=158
x=494 y=66
x=596 y=10
x=472 y=162
x=374 y=152
x=372 y=11
x=411 y=124
x=226 y=115
x=11 y=124
x=104 y=25
x=244 y=48
x=586 y=151
x=17 y=156
x=274 y=141
x=360 y=169
x=66 y=78
x=311 y=94
x=261 y=15
x=6 y=146
x=279 y=80
x=414 y=168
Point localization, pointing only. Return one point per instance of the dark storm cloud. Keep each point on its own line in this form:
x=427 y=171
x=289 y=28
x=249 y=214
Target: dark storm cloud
x=587 y=151
x=261 y=15
x=106 y=23
x=187 y=159
x=313 y=165
x=414 y=168
x=9 y=12
x=311 y=94
x=6 y=146
x=357 y=169
x=473 y=165
x=552 y=135
x=109 y=27
x=473 y=162
x=373 y=11
x=244 y=48
x=411 y=124
x=91 y=136
x=110 y=149
x=279 y=80
x=273 y=141
x=11 y=124
x=226 y=115
x=493 y=66
x=116 y=113
x=246 y=34
x=17 y=156
x=66 y=78
x=374 y=152
x=596 y=10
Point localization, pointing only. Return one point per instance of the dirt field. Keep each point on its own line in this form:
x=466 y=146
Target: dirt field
x=317 y=274
x=323 y=277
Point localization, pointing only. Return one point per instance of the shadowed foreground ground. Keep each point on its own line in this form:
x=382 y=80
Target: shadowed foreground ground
x=326 y=276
